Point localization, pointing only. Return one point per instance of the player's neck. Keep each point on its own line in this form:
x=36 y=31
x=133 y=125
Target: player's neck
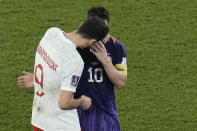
x=75 y=38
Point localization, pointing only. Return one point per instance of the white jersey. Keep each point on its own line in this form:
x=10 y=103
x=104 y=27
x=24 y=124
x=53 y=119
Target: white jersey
x=58 y=66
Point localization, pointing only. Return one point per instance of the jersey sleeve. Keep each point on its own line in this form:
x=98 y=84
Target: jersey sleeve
x=70 y=74
x=120 y=61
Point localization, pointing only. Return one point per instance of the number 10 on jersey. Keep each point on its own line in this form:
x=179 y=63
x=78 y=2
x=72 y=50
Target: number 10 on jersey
x=93 y=73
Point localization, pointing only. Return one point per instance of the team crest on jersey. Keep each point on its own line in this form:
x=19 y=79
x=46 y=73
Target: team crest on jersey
x=75 y=80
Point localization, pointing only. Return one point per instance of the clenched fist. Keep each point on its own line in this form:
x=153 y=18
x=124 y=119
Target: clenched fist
x=86 y=102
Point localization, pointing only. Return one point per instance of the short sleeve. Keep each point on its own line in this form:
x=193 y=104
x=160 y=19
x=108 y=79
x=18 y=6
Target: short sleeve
x=120 y=62
x=71 y=73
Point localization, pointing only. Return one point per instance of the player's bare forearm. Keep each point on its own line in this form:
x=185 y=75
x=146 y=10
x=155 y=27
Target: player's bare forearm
x=116 y=77
x=67 y=102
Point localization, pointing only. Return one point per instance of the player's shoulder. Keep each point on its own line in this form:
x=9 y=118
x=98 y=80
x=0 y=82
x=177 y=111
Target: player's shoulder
x=53 y=30
x=54 y=35
x=78 y=58
x=118 y=45
x=75 y=57
x=75 y=62
x=72 y=60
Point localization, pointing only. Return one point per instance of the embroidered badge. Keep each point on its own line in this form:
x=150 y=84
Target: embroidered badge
x=75 y=80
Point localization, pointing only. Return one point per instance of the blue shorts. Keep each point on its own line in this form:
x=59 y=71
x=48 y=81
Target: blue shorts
x=94 y=119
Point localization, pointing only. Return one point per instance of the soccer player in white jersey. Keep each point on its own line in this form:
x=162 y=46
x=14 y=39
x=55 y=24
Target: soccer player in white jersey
x=57 y=70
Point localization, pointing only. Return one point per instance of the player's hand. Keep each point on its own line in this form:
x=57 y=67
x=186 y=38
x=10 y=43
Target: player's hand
x=108 y=37
x=98 y=49
x=25 y=81
x=86 y=102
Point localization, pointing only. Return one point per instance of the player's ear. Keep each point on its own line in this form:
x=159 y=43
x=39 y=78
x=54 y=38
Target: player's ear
x=80 y=24
x=92 y=41
x=109 y=25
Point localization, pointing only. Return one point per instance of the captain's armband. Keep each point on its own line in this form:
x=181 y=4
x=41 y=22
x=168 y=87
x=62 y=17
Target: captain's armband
x=122 y=68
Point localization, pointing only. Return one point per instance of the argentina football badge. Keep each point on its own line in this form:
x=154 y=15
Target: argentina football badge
x=75 y=80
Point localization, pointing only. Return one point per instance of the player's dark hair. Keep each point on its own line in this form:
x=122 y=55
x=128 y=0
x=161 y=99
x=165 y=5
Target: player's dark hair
x=93 y=28
x=100 y=12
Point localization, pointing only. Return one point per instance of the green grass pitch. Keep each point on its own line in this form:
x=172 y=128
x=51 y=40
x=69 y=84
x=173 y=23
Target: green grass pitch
x=161 y=41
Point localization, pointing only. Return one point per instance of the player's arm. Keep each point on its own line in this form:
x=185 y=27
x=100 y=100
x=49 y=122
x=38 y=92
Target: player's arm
x=67 y=102
x=70 y=74
x=26 y=81
x=118 y=78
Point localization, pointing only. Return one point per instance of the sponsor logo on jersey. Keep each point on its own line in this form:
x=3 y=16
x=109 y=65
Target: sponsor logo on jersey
x=75 y=80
